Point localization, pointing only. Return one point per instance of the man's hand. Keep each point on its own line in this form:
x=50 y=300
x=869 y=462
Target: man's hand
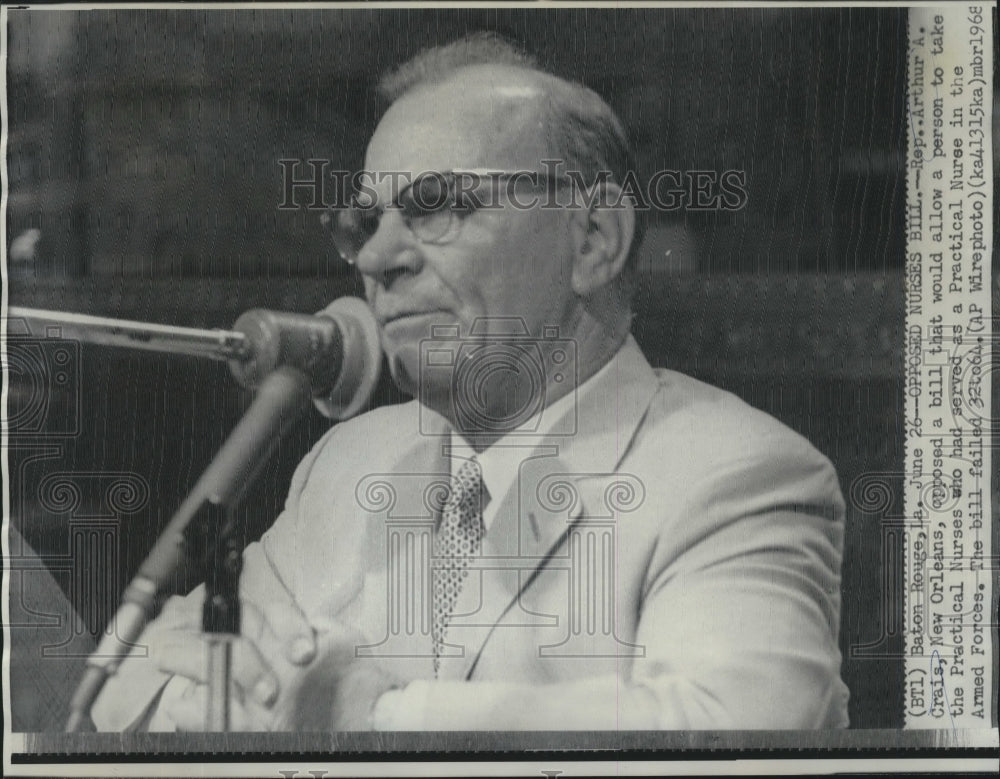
x=338 y=690
x=285 y=675
x=275 y=644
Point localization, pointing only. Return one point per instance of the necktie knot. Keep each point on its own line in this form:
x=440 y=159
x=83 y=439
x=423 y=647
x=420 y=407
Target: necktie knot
x=466 y=494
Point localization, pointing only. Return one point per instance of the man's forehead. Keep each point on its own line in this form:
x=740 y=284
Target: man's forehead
x=481 y=116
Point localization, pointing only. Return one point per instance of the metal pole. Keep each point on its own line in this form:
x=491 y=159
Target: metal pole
x=219 y=653
x=197 y=342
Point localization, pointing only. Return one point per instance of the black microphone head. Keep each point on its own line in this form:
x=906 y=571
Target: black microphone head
x=361 y=362
x=312 y=344
x=339 y=350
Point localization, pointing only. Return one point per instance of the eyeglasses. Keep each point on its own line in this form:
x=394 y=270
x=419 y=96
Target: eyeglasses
x=432 y=206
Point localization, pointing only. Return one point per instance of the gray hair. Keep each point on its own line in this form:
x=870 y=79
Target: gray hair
x=582 y=128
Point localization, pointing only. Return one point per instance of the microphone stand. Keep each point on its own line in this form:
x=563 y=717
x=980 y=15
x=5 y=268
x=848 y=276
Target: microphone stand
x=281 y=355
x=220 y=612
x=283 y=395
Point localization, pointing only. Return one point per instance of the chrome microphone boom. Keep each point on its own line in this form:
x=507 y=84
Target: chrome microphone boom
x=338 y=348
x=214 y=344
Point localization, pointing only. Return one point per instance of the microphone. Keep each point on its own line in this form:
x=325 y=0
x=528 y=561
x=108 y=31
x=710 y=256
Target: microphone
x=338 y=349
x=334 y=357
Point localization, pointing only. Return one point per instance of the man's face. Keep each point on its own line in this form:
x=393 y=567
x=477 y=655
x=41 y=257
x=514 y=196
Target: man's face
x=498 y=262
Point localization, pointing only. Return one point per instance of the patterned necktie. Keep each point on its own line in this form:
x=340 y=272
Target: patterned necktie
x=455 y=543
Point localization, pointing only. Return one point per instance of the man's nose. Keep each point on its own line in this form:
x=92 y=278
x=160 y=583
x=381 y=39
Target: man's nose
x=392 y=250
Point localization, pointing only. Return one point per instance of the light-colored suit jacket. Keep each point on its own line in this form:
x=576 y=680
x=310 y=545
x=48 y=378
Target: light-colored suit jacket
x=674 y=563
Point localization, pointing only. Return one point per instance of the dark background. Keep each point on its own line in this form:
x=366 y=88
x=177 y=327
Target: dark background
x=143 y=151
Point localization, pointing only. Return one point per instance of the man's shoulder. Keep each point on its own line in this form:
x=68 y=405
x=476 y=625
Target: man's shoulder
x=714 y=457
x=387 y=423
x=710 y=423
x=372 y=437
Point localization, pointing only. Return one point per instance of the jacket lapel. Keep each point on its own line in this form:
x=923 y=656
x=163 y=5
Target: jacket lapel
x=512 y=551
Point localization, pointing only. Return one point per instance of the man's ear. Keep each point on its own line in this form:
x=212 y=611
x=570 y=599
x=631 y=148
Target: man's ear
x=602 y=233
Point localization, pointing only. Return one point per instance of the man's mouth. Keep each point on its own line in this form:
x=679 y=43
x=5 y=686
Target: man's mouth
x=404 y=316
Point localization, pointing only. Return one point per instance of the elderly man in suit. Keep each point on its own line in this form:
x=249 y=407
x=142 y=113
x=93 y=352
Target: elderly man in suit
x=552 y=535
